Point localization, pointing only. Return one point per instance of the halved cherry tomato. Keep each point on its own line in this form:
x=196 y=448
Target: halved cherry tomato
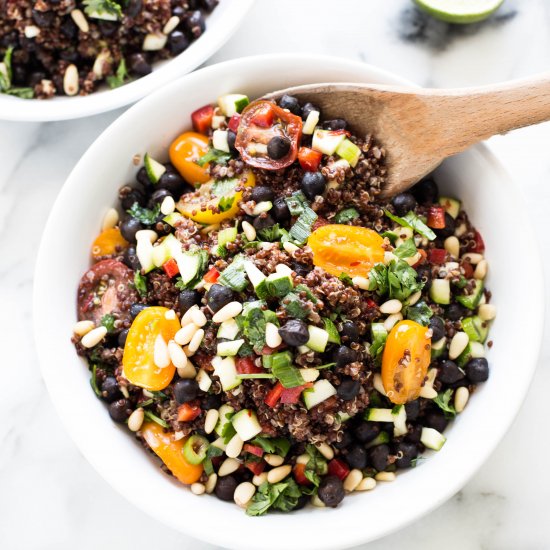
x=405 y=361
x=246 y=365
x=479 y=245
x=202 y=119
x=299 y=472
x=338 y=468
x=309 y=159
x=170 y=452
x=274 y=395
x=437 y=256
x=185 y=150
x=138 y=359
x=189 y=411
x=256 y=467
x=211 y=276
x=346 y=249
x=253 y=449
x=214 y=201
x=171 y=268
x=253 y=135
x=233 y=123
x=436 y=217
x=106 y=288
x=292 y=395
x=109 y=242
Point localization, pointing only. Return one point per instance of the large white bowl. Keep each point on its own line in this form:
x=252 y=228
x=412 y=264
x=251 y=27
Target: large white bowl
x=220 y=25
x=494 y=204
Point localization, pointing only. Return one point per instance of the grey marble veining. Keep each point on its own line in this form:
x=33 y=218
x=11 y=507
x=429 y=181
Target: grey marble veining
x=50 y=498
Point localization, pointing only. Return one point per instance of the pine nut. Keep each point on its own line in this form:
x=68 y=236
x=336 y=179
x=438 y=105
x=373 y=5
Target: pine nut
x=274 y=460
x=481 y=270
x=31 y=31
x=452 y=246
x=124 y=391
x=198 y=488
x=102 y=63
x=178 y=358
x=461 y=229
x=171 y=24
x=458 y=344
x=391 y=320
x=146 y=235
x=228 y=466
x=136 y=420
x=472 y=257
x=244 y=493
x=261 y=207
x=413 y=298
x=234 y=447
x=80 y=20
x=272 y=337
x=110 y=219
x=229 y=311
x=367 y=484
x=83 y=327
x=461 y=398
x=186 y=317
x=427 y=390
x=185 y=334
x=70 y=80
x=325 y=450
x=161 y=357
x=196 y=341
x=198 y=317
x=290 y=248
x=377 y=383
x=170 y=315
x=249 y=231
x=302 y=459
x=259 y=479
x=168 y=205
x=352 y=480
x=211 y=483
x=317 y=502
x=154 y=42
x=385 y=476
x=92 y=338
x=391 y=306
x=188 y=371
x=361 y=282
x=210 y=420
x=487 y=312
x=413 y=260
x=279 y=473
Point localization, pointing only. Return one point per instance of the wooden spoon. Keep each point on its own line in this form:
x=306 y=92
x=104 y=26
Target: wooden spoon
x=420 y=127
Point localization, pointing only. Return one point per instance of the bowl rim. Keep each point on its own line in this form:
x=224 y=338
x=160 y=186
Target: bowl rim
x=67 y=108
x=213 y=536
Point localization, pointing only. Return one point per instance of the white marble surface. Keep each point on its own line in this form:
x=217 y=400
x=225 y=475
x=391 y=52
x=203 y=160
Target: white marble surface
x=50 y=498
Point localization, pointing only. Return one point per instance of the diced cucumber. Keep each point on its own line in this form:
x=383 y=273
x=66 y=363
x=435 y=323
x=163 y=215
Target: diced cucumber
x=432 y=439
x=452 y=206
x=153 y=168
x=321 y=390
x=465 y=356
x=189 y=265
x=379 y=415
x=381 y=438
x=330 y=327
x=310 y=122
x=228 y=330
x=231 y=104
x=399 y=420
x=279 y=285
x=342 y=416
x=203 y=380
x=476 y=329
x=246 y=424
x=226 y=371
x=229 y=349
x=144 y=252
x=227 y=235
x=440 y=291
x=471 y=301
x=257 y=278
x=318 y=338
x=349 y=151
x=161 y=254
x=225 y=414
x=172 y=218
x=326 y=141
x=219 y=140
x=477 y=349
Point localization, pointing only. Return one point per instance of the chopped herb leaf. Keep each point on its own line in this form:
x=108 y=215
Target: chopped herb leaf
x=325 y=366
x=295 y=306
x=273 y=445
x=225 y=203
x=207 y=463
x=443 y=402
x=253 y=327
x=155 y=418
x=140 y=282
x=347 y=215
x=108 y=321
x=103 y=7
x=416 y=461
x=412 y=221
x=214 y=155
x=283 y=496
x=228 y=430
x=345 y=278
x=22 y=93
x=316 y=466
x=234 y=275
x=144 y=215
x=93 y=380
x=398 y=279
x=273 y=233
x=391 y=236
x=420 y=312
x=296 y=203
x=405 y=250
x=119 y=78
x=6 y=76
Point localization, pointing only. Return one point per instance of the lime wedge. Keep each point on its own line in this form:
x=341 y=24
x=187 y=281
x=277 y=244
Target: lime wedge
x=459 y=11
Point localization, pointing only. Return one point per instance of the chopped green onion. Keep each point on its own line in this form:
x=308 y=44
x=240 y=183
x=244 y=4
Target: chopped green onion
x=281 y=359
x=349 y=151
x=234 y=275
x=296 y=203
x=301 y=230
x=93 y=381
x=155 y=418
x=346 y=215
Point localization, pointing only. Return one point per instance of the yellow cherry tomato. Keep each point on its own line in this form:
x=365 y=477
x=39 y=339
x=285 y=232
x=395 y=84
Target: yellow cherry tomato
x=215 y=201
x=346 y=249
x=185 y=150
x=138 y=359
x=171 y=453
x=109 y=242
x=405 y=361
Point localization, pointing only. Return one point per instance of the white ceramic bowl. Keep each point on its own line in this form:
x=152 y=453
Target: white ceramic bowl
x=220 y=25
x=492 y=201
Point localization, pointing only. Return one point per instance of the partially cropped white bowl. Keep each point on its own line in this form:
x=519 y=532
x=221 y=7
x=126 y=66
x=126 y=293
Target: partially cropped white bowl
x=220 y=25
x=490 y=197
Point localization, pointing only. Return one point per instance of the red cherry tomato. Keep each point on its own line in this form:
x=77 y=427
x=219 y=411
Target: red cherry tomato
x=253 y=449
x=436 y=217
x=246 y=365
x=202 y=119
x=338 y=468
x=253 y=136
x=309 y=159
x=233 y=123
x=479 y=246
x=255 y=467
x=468 y=269
x=300 y=475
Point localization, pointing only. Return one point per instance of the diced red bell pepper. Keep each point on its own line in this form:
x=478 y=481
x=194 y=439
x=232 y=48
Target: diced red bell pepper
x=274 y=395
x=422 y=259
x=299 y=471
x=436 y=217
x=263 y=117
x=468 y=269
x=253 y=449
x=233 y=123
x=479 y=247
x=338 y=468
x=171 y=268
x=256 y=467
x=292 y=395
x=211 y=276
x=188 y=411
x=371 y=303
x=309 y=159
x=202 y=119
x=246 y=365
x=437 y=256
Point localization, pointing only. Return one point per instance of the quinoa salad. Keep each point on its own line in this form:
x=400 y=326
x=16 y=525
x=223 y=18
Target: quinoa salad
x=71 y=47
x=266 y=325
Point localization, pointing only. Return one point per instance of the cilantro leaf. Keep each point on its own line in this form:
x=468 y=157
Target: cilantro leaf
x=214 y=155
x=273 y=445
x=253 y=327
x=121 y=75
x=345 y=278
x=420 y=312
x=228 y=430
x=107 y=8
x=211 y=452
x=144 y=215
x=281 y=496
x=347 y=215
x=412 y=221
x=273 y=233
x=108 y=321
x=398 y=279
x=140 y=282
x=93 y=381
x=6 y=76
x=405 y=250
x=225 y=203
x=317 y=462
x=443 y=402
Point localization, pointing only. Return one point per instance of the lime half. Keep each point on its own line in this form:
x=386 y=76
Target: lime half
x=460 y=11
